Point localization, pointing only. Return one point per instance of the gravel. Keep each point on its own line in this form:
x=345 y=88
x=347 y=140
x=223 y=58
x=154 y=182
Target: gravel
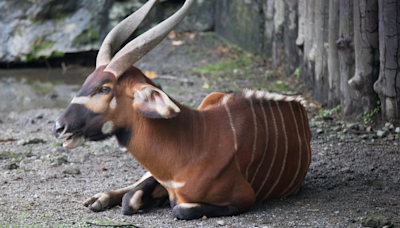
x=347 y=180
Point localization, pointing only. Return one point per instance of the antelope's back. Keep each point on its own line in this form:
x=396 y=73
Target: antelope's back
x=272 y=141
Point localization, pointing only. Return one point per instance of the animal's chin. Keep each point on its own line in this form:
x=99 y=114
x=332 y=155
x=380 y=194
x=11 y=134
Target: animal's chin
x=73 y=141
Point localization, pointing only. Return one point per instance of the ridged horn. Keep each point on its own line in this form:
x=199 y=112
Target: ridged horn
x=140 y=46
x=117 y=36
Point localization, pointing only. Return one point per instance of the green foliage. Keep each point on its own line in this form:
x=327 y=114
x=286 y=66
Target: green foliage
x=226 y=64
x=87 y=36
x=57 y=144
x=39 y=45
x=329 y=113
x=368 y=117
x=10 y=155
x=279 y=86
x=297 y=72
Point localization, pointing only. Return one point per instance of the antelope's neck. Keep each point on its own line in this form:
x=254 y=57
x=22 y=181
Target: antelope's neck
x=166 y=146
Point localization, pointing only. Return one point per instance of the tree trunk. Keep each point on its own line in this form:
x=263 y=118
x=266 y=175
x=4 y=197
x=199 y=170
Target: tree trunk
x=268 y=17
x=305 y=41
x=348 y=97
x=321 y=86
x=291 y=61
x=366 y=52
x=388 y=84
x=278 y=37
x=333 y=61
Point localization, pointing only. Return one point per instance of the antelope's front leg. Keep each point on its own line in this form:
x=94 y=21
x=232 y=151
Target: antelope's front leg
x=103 y=201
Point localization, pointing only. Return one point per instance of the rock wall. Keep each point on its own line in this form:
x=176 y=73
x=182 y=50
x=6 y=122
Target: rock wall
x=47 y=28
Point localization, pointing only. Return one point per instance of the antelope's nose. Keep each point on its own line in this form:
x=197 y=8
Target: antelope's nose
x=59 y=128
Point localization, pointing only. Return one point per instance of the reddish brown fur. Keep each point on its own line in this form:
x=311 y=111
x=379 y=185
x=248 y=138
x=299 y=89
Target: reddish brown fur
x=197 y=147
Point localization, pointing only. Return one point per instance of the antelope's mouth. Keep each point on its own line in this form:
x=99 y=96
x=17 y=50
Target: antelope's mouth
x=72 y=140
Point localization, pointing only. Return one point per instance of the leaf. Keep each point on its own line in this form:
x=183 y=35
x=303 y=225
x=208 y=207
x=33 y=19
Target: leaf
x=150 y=74
x=312 y=209
x=192 y=35
x=206 y=85
x=177 y=42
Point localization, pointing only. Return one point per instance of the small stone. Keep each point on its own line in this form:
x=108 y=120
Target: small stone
x=11 y=166
x=204 y=218
x=387 y=124
x=72 y=171
x=33 y=141
x=336 y=128
x=380 y=133
x=336 y=212
x=397 y=130
x=345 y=130
x=319 y=131
x=391 y=127
x=390 y=137
x=352 y=126
x=361 y=127
x=395 y=144
x=364 y=136
x=221 y=222
x=369 y=129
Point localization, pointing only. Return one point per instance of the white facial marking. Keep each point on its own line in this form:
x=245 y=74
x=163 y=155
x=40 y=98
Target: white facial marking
x=113 y=103
x=108 y=127
x=189 y=205
x=80 y=100
x=171 y=184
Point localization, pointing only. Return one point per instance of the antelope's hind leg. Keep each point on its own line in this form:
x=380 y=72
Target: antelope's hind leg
x=188 y=211
x=147 y=194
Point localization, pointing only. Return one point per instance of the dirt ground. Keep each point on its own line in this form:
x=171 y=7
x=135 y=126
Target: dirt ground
x=44 y=185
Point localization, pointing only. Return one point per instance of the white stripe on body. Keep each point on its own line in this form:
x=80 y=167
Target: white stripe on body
x=255 y=139
x=266 y=142
x=233 y=132
x=285 y=156
x=275 y=151
x=300 y=145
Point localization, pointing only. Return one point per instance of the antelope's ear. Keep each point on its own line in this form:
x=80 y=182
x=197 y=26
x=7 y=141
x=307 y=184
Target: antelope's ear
x=153 y=103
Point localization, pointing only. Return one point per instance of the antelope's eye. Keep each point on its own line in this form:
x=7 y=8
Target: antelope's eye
x=104 y=90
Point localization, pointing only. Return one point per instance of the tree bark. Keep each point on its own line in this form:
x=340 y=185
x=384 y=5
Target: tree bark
x=277 y=41
x=348 y=97
x=333 y=57
x=366 y=52
x=321 y=86
x=268 y=17
x=305 y=42
x=388 y=84
x=291 y=61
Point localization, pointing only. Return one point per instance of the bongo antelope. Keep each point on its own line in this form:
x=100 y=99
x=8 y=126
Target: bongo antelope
x=218 y=160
